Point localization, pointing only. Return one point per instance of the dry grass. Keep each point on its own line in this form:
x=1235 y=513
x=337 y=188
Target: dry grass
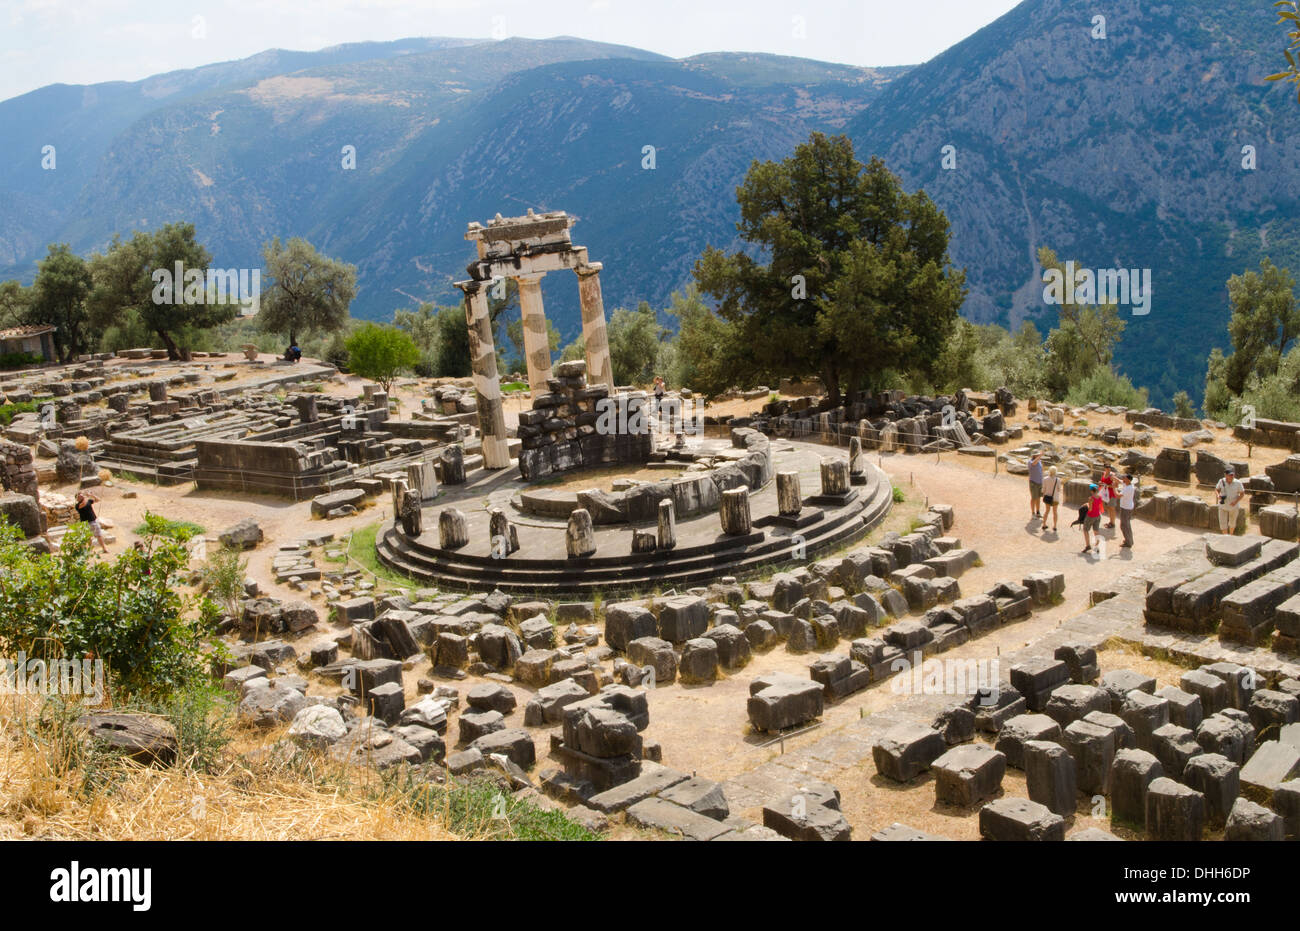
x=46 y=793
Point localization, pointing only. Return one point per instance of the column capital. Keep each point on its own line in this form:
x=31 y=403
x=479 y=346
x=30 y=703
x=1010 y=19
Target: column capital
x=529 y=278
x=589 y=268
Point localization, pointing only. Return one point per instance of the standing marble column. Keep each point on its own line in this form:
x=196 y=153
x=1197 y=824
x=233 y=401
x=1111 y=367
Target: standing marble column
x=483 y=362
x=789 y=501
x=537 y=345
x=599 y=370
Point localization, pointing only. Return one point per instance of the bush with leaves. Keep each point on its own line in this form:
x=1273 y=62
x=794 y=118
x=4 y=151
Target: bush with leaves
x=127 y=612
x=223 y=577
x=381 y=353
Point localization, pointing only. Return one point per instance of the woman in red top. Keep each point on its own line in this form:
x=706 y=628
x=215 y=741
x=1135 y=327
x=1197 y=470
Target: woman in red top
x=1109 y=494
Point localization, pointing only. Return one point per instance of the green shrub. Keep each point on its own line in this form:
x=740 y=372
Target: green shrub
x=127 y=612
x=16 y=360
x=182 y=531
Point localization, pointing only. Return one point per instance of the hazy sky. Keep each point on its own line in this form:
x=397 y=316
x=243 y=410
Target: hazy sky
x=86 y=41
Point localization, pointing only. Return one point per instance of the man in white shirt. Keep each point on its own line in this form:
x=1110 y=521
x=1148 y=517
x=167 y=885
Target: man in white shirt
x=1231 y=493
x=1127 y=502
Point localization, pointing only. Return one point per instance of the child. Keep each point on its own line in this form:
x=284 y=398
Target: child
x=1092 y=523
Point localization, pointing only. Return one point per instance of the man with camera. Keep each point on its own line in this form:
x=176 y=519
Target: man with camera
x=1231 y=492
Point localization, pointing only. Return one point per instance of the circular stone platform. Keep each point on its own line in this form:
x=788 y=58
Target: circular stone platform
x=703 y=554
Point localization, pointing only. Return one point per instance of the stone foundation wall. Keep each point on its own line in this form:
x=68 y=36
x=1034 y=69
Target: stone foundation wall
x=18 y=469
x=576 y=427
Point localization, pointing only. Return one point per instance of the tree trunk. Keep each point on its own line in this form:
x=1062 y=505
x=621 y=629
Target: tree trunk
x=831 y=376
x=173 y=354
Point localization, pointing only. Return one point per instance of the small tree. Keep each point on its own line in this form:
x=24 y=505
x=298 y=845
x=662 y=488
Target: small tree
x=381 y=353
x=14 y=302
x=59 y=297
x=306 y=291
x=1183 y=406
x=634 y=344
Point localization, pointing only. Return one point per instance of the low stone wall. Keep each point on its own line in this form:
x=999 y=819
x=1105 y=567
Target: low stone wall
x=270 y=468
x=1270 y=433
x=692 y=493
x=1161 y=421
x=576 y=427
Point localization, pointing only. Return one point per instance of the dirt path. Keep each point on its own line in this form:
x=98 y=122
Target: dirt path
x=705 y=729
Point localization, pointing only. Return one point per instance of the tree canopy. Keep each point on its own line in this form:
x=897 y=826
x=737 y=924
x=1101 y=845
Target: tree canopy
x=58 y=296
x=857 y=281
x=305 y=291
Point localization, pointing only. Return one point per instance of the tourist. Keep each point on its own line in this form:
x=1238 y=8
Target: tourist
x=659 y=393
x=1036 y=481
x=1092 y=522
x=1109 y=494
x=85 y=505
x=1128 y=493
x=1230 y=492
x=1051 y=498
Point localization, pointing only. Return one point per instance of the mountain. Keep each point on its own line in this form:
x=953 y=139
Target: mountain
x=445 y=131
x=1117 y=152
x=1121 y=152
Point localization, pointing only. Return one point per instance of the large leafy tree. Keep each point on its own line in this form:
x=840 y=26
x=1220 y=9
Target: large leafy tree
x=304 y=290
x=14 y=302
x=857 y=281
x=1264 y=322
x=1084 y=339
x=59 y=293
x=708 y=351
x=125 y=285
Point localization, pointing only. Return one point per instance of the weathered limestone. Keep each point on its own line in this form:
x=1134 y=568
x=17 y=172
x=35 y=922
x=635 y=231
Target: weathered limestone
x=1174 y=812
x=734 y=512
x=411 y=514
x=579 y=534
x=452 y=530
x=487 y=386
x=599 y=369
x=789 y=502
x=835 y=476
x=667 y=525
x=537 y=347
x=420 y=476
x=1131 y=774
x=452 y=459
x=1049 y=776
x=1019 y=819
x=504 y=535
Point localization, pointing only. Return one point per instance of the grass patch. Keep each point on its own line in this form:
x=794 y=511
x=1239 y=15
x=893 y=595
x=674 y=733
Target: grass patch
x=508 y=387
x=362 y=549
x=899 y=495
x=9 y=411
x=479 y=809
x=179 y=530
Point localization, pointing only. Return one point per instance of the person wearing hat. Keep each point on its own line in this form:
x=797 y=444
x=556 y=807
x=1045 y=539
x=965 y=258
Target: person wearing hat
x=1230 y=492
x=1036 y=484
x=1127 y=502
x=1092 y=523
